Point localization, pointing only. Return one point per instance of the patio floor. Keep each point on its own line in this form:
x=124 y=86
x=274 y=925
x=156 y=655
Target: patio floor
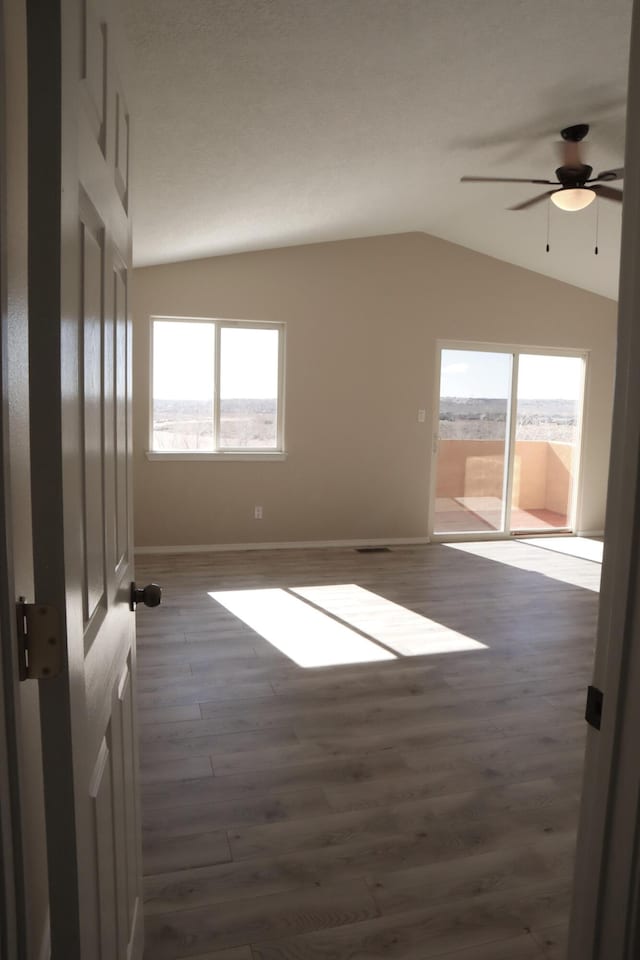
x=477 y=514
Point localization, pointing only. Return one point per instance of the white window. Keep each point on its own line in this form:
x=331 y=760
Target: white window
x=216 y=387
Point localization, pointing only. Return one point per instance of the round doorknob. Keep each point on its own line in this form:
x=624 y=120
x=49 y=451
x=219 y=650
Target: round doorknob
x=151 y=595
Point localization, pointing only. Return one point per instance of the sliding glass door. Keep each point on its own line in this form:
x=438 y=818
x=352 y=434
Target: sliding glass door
x=546 y=442
x=506 y=442
x=473 y=422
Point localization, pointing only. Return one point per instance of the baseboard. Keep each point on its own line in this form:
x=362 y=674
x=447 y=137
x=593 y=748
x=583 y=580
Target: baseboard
x=293 y=545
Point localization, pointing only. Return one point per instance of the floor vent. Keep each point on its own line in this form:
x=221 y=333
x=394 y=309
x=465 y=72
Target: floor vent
x=373 y=550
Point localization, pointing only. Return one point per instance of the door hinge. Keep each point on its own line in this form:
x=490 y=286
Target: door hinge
x=39 y=641
x=593 y=711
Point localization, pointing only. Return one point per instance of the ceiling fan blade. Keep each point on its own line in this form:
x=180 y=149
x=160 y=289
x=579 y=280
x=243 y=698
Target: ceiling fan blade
x=609 y=193
x=617 y=174
x=501 y=180
x=533 y=201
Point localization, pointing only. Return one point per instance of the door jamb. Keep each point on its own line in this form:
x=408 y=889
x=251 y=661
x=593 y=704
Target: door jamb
x=12 y=892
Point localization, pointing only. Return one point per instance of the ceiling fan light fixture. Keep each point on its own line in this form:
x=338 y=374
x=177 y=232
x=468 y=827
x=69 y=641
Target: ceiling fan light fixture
x=573 y=199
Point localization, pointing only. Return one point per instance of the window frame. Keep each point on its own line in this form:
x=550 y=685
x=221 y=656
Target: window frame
x=275 y=453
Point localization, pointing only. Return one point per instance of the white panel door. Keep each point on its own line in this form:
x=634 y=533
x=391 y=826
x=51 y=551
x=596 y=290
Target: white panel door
x=80 y=363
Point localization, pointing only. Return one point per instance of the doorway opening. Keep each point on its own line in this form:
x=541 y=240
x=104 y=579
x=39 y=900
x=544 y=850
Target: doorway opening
x=506 y=441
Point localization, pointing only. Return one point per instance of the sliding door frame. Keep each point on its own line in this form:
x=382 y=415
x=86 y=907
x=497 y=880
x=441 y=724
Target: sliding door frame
x=515 y=351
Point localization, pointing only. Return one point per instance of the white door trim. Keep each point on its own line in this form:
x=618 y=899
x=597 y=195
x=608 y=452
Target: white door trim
x=606 y=906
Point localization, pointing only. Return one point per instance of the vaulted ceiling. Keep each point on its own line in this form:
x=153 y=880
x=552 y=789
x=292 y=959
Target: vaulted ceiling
x=267 y=123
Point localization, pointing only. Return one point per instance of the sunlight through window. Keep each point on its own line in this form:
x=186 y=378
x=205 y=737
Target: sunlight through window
x=307 y=636
x=408 y=633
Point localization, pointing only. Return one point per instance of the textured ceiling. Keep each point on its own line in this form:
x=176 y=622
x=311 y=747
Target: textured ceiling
x=266 y=123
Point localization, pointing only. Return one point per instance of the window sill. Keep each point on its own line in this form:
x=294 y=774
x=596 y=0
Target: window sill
x=271 y=456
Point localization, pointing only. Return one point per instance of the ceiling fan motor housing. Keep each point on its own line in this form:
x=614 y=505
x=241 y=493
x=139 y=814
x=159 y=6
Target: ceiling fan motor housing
x=574 y=176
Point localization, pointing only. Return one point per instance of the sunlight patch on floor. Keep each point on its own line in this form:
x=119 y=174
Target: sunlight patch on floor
x=307 y=636
x=582 y=547
x=542 y=562
x=408 y=633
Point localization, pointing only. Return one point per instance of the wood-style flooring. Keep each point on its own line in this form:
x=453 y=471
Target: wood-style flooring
x=410 y=808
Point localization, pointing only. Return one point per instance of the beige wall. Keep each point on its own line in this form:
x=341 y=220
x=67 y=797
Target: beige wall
x=362 y=318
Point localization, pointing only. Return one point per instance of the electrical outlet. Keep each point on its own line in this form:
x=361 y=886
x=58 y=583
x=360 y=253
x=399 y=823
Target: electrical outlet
x=422 y=416
x=257 y=513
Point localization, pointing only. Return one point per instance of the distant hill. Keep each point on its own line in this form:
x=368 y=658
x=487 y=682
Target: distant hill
x=485 y=418
x=177 y=410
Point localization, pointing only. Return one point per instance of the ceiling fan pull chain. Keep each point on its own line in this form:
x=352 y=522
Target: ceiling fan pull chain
x=597 y=223
x=548 y=224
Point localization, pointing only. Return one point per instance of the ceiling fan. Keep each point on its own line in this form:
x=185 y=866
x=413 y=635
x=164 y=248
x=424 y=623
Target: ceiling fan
x=576 y=187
